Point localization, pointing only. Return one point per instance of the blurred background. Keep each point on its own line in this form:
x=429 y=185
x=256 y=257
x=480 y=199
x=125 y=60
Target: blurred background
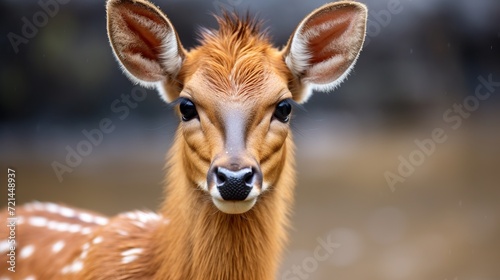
x=395 y=212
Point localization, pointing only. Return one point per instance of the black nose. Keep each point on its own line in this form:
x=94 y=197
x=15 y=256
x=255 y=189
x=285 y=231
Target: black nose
x=234 y=185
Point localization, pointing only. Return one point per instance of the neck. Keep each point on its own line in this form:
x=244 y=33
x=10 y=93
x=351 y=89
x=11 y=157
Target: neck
x=200 y=242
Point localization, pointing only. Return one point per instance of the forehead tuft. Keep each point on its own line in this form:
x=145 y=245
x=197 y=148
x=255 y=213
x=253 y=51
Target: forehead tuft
x=237 y=58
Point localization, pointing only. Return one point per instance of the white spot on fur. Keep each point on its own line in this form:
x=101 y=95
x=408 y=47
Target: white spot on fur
x=62 y=226
x=86 y=230
x=143 y=217
x=122 y=232
x=58 y=246
x=140 y=219
x=129 y=259
x=85 y=217
x=147 y=217
x=101 y=221
x=58 y=226
x=131 y=215
x=52 y=225
x=30 y=278
x=37 y=221
x=4 y=246
x=40 y=206
x=52 y=208
x=76 y=266
x=27 y=251
x=67 y=212
x=131 y=255
x=97 y=240
x=35 y=206
x=84 y=254
x=85 y=251
x=133 y=251
x=74 y=228
x=4 y=278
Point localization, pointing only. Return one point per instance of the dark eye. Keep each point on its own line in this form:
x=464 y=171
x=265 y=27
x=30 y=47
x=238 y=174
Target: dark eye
x=188 y=110
x=282 y=111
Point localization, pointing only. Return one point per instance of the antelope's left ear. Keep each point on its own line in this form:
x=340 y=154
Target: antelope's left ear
x=325 y=46
x=145 y=44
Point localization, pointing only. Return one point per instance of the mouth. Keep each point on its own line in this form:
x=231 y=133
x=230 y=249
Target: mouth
x=234 y=207
x=231 y=206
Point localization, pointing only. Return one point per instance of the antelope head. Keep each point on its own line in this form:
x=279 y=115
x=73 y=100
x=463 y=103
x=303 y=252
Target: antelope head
x=234 y=92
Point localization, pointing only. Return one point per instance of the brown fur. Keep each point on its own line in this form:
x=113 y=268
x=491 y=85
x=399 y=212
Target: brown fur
x=236 y=63
x=235 y=73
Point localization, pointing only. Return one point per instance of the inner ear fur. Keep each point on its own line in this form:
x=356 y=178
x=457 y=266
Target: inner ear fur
x=144 y=42
x=324 y=47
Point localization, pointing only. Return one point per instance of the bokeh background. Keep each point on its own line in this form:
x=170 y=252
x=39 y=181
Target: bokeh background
x=421 y=58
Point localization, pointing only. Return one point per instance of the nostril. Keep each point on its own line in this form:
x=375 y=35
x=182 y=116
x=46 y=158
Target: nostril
x=249 y=178
x=221 y=177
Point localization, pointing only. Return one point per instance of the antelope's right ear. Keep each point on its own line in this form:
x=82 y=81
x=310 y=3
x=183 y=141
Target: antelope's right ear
x=145 y=44
x=325 y=46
